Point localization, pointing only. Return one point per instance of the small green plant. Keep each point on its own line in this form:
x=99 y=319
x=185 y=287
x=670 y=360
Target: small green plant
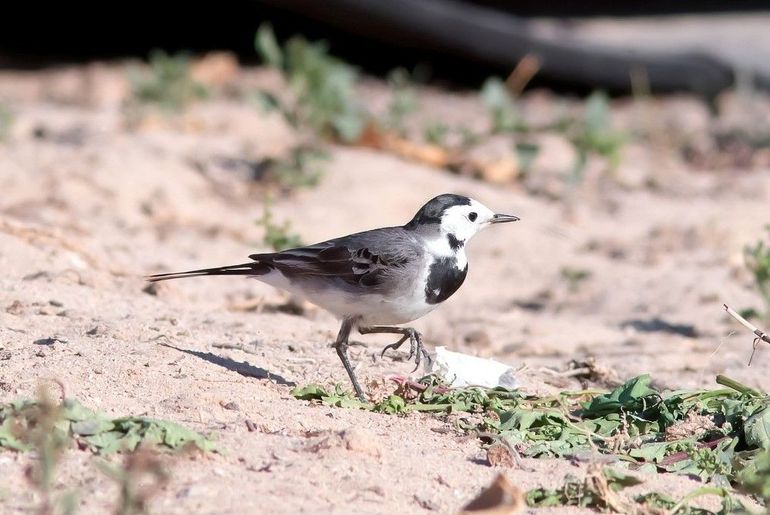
x=140 y=477
x=301 y=168
x=647 y=428
x=48 y=429
x=593 y=134
x=277 y=236
x=403 y=100
x=574 y=277
x=38 y=428
x=167 y=83
x=24 y=424
x=757 y=259
x=525 y=155
x=597 y=490
x=501 y=107
x=468 y=138
x=436 y=133
x=323 y=86
x=755 y=478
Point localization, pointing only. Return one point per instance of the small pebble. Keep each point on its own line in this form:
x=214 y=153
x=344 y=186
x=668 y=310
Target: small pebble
x=97 y=330
x=15 y=308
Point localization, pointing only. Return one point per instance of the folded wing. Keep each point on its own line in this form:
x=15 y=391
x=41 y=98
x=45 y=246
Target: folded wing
x=365 y=259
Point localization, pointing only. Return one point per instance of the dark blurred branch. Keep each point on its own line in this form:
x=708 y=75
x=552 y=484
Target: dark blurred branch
x=492 y=37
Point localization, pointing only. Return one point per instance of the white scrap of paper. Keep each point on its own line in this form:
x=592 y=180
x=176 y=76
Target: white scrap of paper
x=460 y=370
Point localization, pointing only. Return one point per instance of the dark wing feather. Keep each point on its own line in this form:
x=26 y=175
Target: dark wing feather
x=365 y=259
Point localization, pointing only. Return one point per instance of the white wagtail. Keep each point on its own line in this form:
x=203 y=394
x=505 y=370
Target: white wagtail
x=374 y=279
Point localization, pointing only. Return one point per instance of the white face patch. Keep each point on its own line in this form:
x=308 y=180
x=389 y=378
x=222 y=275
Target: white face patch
x=463 y=222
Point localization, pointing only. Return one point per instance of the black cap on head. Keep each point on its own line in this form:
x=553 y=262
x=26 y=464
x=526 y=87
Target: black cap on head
x=432 y=211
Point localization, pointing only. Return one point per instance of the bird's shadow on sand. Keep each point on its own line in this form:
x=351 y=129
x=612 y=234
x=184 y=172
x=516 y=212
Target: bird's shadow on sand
x=245 y=368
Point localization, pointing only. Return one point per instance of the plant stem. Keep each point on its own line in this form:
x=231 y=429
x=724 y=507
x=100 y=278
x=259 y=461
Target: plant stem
x=735 y=385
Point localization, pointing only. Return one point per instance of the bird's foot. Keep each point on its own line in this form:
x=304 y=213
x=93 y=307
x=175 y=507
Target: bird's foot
x=416 y=348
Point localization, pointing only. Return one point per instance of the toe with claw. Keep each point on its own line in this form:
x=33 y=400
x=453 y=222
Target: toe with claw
x=416 y=348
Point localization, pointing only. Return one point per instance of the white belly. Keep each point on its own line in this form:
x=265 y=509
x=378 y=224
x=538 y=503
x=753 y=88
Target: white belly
x=370 y=309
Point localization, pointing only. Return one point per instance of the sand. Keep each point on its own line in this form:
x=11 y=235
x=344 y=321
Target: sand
x=89 y=206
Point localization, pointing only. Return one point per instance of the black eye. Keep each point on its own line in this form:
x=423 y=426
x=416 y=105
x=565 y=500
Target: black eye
x=472 y=216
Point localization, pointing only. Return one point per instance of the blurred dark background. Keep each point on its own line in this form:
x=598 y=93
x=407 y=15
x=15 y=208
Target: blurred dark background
x=461 y=42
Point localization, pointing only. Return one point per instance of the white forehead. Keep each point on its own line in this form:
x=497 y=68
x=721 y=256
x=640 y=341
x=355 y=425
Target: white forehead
x=481 y=208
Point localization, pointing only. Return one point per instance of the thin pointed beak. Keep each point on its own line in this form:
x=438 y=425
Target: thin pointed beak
x=499 y=219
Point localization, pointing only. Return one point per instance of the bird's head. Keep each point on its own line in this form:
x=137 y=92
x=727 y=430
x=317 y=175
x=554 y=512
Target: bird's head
x=457 y=217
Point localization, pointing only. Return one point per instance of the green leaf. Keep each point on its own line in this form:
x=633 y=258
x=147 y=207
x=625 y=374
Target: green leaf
x=657 y=500
x=348 y=125
x=618 y=479
x=583 y=493
x=499 y=103
x=8 y=438
x=101 y=434
x=310 y=392
x=754 y=478
x=436 y=133
x=654 y=452
x=75 y=411
x=267 y=46
x=757 y=430
x=526 y=154
x=167 y=83
x=109 y=442
x=91 y=427
x=393 y=404
x=544 y=498
x=626 y=395
x=495 y=94
x=597 y=111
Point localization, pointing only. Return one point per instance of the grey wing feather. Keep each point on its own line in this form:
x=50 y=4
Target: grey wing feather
x=363 y=259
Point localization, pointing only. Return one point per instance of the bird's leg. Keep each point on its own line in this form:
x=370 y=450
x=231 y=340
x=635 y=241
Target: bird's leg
x=416 y=349
x=341 y=345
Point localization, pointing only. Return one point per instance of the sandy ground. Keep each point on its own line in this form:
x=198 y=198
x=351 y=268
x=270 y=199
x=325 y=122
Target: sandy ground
x=88 y=207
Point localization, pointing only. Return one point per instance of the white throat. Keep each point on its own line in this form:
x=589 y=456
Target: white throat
x=439 y=247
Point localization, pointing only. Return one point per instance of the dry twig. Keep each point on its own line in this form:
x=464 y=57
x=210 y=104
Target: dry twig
x=760 y=335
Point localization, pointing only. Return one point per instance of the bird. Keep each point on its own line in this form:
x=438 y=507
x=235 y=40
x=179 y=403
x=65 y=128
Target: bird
x=375 y=281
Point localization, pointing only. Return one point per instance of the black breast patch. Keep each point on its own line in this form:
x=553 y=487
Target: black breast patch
x=444 y=278
x=454 y=243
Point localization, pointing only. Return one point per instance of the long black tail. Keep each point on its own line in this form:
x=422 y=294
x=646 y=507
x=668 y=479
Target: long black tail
x=252 y=268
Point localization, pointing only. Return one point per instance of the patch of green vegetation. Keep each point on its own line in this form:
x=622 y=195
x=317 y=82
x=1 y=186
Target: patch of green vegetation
x=139 y=478
x=323 y=86
x=403 y=101
x=574 y=277
x=40 y=430
x=436 y=133
x=47 y=429
x=757 y=258
x=525 y=155
x=599 y=491
x=301 y=168
x=469 y=138
x=504 y=116
x=657 y=502
x=24 y=424
x=596 y=491
x=754 y=478
x=593 y=134
x=277 y=236
x=720 y=435
x=167 y=83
